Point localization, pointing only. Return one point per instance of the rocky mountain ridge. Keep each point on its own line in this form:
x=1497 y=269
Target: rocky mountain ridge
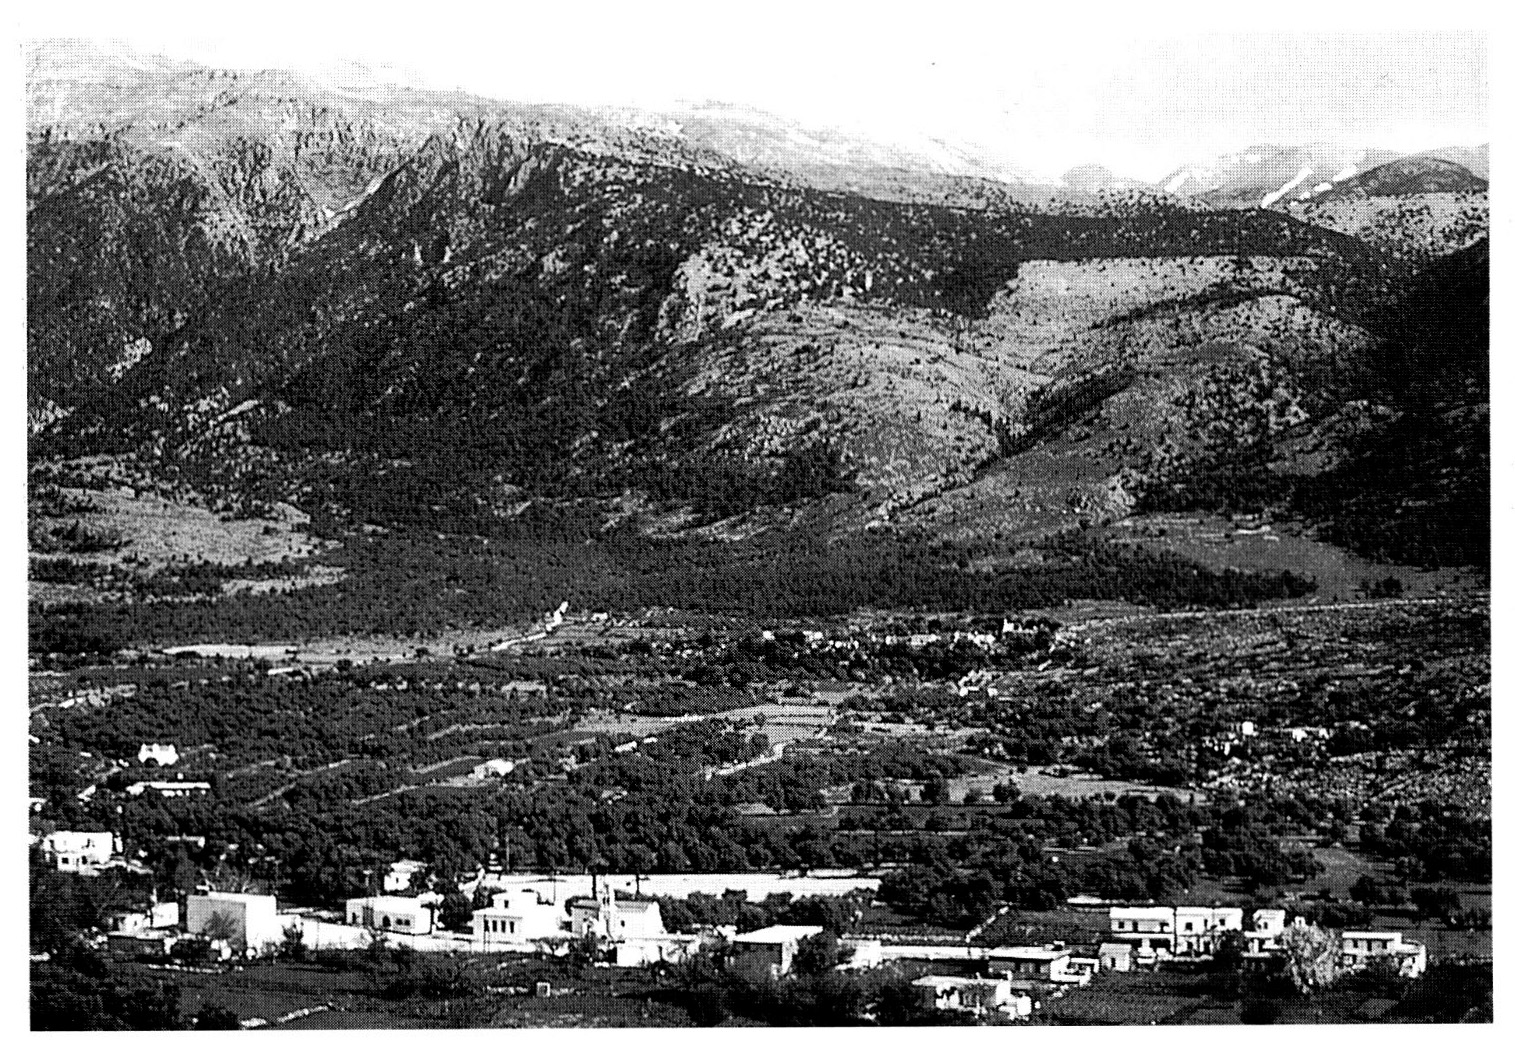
x=507 y=310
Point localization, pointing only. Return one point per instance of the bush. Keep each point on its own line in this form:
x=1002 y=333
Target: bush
x=215 y=1017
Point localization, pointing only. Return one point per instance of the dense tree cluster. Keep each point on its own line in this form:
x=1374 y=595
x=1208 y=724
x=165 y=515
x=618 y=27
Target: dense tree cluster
x=414 y=584
x=1433 y=842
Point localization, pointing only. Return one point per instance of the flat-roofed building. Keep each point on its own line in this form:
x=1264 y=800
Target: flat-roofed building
x=1115 y=956
x=1034 y=964
x=1148 y=928
x=1198 y=930
x=79 y=851
x=1361 y=948
x=769 y=952
x=653 y=949
x=251 y=922
x=157 y=753
x=1267 y=926
x=398 y=877
x=517 y=915
x=979 y=996
x=400 y=914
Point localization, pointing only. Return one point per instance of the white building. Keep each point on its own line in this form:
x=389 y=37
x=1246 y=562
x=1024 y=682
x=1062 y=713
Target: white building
x=1359 y=948
x=1115 y=956
x=1083 y=969
x=1035 y=964
x=607 y=917
x=75 y=851
x=1185 y=930
x=769 y=952
x=1268 y=922
x=1148 y=928
x=495 y=769
x=1198 y=929
x=397 y=878
x=163 y=756
x=516 y=916
x=1267 y=926
x=400 y=914
x=174 y=788
x=252 y=921
x=979 y=996
x=135 y=922
x=671 y=948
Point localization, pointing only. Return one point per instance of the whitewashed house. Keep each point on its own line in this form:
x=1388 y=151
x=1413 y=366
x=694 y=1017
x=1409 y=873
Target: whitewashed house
x=1147 y=928
x=1360 y=948
x=1267 y=926
x=979 y=996
x=1198 y=930
x=164 y=756
x=78 y=851
x=398 y=914
x=398 y=877
x=1035 y=964
x=518 y=915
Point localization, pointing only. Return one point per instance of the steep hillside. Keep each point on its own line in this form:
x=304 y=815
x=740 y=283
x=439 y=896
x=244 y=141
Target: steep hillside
x=1424 y=224
x=1411 y=176
x=482 y=316
x=123 y=247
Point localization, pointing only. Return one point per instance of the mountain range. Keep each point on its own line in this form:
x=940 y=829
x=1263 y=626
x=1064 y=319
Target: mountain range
x=410 y=309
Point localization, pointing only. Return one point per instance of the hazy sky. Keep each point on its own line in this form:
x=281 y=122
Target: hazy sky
x=1140 y=92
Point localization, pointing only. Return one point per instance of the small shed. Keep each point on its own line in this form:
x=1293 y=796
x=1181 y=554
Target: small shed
x=1115 y=956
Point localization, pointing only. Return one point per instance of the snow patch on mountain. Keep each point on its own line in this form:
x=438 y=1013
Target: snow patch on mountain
x=1304 y=173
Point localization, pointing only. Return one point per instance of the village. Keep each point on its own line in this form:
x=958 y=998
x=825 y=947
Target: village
x=615 y=920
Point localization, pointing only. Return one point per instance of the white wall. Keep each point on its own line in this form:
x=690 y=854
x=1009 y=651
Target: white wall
x=254 y=918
